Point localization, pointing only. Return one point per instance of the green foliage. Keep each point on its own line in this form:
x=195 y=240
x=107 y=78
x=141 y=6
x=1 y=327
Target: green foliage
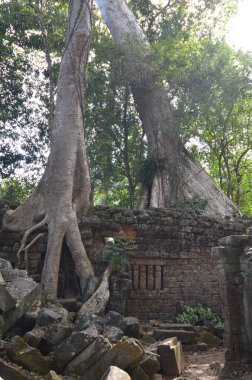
x=114 y=252
x=16 y=190
x=197 y=314
x=148 y=169
x=196 y=204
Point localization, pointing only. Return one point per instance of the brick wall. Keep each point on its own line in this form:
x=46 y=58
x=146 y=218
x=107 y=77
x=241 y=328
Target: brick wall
x=171 y=264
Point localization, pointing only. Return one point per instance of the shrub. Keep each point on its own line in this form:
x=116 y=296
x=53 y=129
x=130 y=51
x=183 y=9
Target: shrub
x=196 y=315
x=196 y=204
x=114 y=252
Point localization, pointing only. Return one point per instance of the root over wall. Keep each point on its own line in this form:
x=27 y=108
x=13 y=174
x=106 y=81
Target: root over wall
x=170 y=265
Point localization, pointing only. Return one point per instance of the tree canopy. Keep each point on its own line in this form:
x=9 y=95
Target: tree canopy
x=209 y=89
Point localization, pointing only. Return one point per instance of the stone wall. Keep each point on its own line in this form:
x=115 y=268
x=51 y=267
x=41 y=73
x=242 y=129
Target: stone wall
x=235 y=256
x=171 y=264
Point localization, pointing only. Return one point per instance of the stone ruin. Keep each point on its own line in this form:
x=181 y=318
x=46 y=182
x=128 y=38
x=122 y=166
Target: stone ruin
x=234 y=255
x=170 y=265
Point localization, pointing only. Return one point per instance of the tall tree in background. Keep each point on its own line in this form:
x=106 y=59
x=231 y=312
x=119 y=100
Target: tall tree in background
x=177 y=175
x=65 y=186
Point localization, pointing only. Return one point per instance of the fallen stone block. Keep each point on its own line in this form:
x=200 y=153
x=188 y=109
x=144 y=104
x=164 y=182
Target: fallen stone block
x=122 y=355
x=171 y=357
x=112 y=333
x=33 y=337
x=47 y=316
x=11 y=274
x=52 y=375
x=137 y=373
x=176 y=326
x=7 y=302
x=28 y=357
x=5 y=265
x=85 y=320
x=209 y=339
x=53 y=335
x=72 y=346
x=12 y=372
x=113 y=318
x=115 y=373
x=132 y=327
x=186 y=337
x=25 y=292
x=88 y=357
x=150 y=365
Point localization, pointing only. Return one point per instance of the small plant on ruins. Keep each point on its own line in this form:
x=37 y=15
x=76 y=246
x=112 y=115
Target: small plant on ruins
x=115 y=254
x=197 y=314
x=148 y=169
x=196 y=204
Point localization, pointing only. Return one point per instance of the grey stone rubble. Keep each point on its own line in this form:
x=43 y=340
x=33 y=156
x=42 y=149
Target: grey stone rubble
x=59 y=343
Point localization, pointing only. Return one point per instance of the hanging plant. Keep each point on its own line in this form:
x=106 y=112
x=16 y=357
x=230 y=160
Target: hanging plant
x=148 y=169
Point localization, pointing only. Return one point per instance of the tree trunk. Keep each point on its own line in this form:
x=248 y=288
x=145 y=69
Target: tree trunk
x=65 y=186
x=179 y=176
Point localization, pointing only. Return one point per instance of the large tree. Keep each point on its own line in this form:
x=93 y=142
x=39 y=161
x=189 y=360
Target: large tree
x=177 y=174
x=65 y=186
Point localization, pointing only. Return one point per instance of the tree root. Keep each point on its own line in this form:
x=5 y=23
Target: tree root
x=98 y=302
x=27 y=234
x=25 y=249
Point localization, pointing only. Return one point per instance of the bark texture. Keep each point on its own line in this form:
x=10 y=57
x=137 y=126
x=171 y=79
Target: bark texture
x=65 y=186
x=179 y=175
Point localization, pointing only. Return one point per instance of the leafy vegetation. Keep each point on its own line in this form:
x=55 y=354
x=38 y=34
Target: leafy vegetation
x=148 y=169
x=196 y=204
x=197 y=314
x=16 y=190
x=114 y=252
x=209 y=86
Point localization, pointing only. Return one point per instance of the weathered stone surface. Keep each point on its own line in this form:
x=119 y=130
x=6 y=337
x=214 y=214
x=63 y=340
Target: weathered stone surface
x=56 y=333
x=112 y=333
x=47 y=316
x=89 y=356
x=11 y=372
x=113 y=318
x=25 y=292
x=5 y=265
x=10 y=275
x=210 y=339
x=122 y=354
x=83 y=321
x=72 y=346
x=33 y=337
x=186 y=337
x=137 y=373
x=171 y=357
x=52 y=375
x=176 y=326
x=132 y=327
x=29 y=357
x=115 y=373
x=7 y=302
x=150 y=365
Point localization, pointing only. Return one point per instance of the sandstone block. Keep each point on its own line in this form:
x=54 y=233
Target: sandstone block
x=112 y=333
x=72 y=346
x=132 y=327
x=89 y=356
x=122 y=354
x=25 y=292
x=7 y=302
x=114 y=318
x=186 y=337
x=26 y=356
x=115 y=373
x=171 y=359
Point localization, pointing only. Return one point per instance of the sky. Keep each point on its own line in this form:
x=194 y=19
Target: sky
x=240 y=34
x=240 y=26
